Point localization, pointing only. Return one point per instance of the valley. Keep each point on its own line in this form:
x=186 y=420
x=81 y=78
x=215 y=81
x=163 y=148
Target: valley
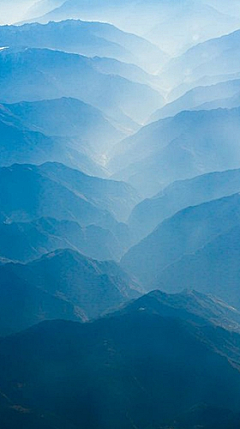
x=119 y=214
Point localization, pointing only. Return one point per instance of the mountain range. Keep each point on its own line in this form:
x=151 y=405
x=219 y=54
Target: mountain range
x=76 y=124
x=61 y=285
x=95 y=372
x=223 y=94
x=189 y=144
x=78 y=211
x=213 y=268
x=53 y=188
x=173 y=26
x=32 y=74
x=86 y=38
x=63 y=130
x=214 y=58
x=119 y=214
x=184 y=233
x=26 y=241
x=149 y=213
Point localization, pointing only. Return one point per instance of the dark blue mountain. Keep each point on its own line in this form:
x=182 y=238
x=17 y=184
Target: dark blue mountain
x=63 y=284
x=102 y=374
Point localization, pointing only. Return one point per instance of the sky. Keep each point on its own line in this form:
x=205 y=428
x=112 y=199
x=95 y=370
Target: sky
x=13 y=10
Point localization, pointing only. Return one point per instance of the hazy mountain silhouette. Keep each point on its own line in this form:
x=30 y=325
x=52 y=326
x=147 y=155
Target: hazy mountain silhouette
x=27 y=131
x=184 y=233
x=213 y=58
x=38 y=74
x=173 y=26
x=63 y=284
x=179 y=195
x=82 y=127
x=223 y=94
x=85 y=38
x=24 y=241
x=54 y=190
x=213 y=268
x=187 y=145
x=119 y=176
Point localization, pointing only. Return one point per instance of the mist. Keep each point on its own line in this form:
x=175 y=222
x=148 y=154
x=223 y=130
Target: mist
x=119 y=214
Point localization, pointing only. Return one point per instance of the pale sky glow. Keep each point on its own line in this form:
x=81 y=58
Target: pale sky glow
x=13 y=10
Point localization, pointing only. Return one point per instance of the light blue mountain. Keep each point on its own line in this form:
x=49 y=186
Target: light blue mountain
x=38 y=74
x=54 y=190
x=73 y=126
x=85 y=38
x=181 y=194
x=189 y=144
x=185 y=233
x=213 y=58
x=174 y=25
x=214 y=269
x=224 y=94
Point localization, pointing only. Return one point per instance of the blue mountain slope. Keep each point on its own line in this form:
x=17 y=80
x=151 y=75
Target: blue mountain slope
x=184 y=233
x=69 y=122
x=179 y=195
x=85 y=38
x=38 y=74
x=189 y=144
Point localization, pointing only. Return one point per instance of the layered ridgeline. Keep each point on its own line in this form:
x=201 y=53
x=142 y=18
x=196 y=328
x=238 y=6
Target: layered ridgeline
x=183 y=234
x=189 y=305
x=103 y=374
x=61 y=285
x=64 y=130
x=187 y=23
x=206 y=97
x=100 y=198
x=187 y=145
x=149 y=213
x=173 y=26
x=82 y=209
x=92 y=39
x=81 y=236
x=211 y=62
x=213 y=267
x=36 y=74
x=207 y=78
x=33 y=239
x=25 y=241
